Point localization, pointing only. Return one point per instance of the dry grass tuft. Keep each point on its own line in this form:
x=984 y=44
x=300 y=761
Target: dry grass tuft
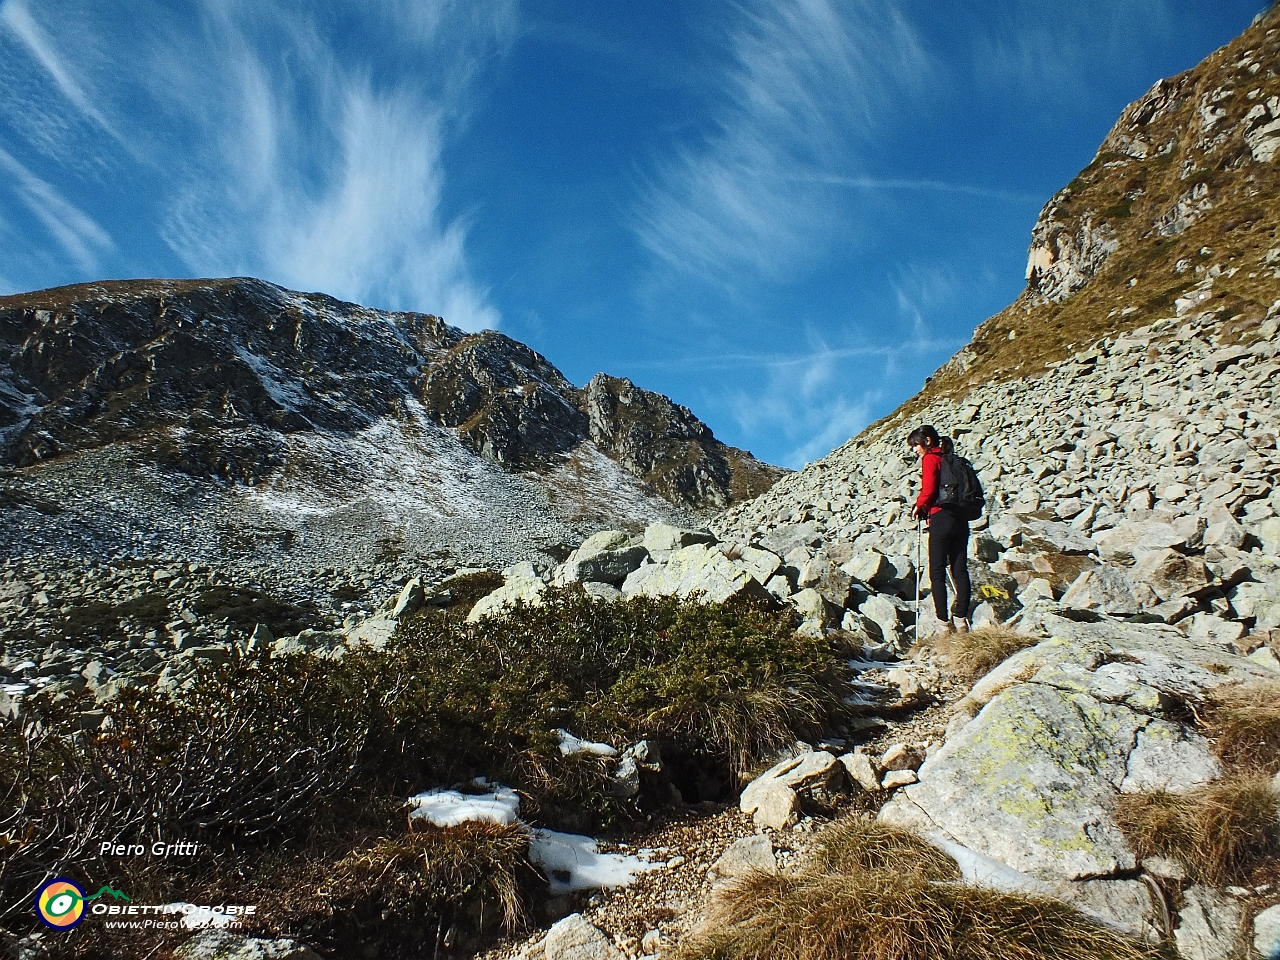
x=978 y=652
x=863 y=845
x=878 y=894
x=429 y=879
x=1219 y=831
x=1244 y=722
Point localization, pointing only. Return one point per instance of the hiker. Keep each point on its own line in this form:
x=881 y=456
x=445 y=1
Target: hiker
x=948 y=533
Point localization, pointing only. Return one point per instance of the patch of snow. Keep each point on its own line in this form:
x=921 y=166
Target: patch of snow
x=573 y=862
x=274 y=381
x=449 y=808
x=984 y=871
x=571 y=746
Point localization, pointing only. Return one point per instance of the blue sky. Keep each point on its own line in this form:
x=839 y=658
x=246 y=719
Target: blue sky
x=784 y=214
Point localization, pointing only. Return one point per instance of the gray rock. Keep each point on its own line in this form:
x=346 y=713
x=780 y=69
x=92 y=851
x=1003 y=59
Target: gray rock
x=410 y=600
x=820 y=574
x=1208 y=628
x=1259 y=602
x=697 y=569
x=871 y=567
x=745 y=855
x=602 y=591
x=611 y=566
x=900 y=756
x=1225 y=533
x=661 y=539
x=1107 y=589
x=1123 y=905
x=1266 y=933
x=861 y=769
x=887 y=617
x=1030 y=782
x=779 y=587
x=516 y=590
x=1060 y=537
x=261 y=638
x=221 y=945
x=1126 y=542
x=812 y=605
x=894 y=779
x=774 y=805
x=772 y=798
x=1170 y=574
x=575 y=938
x=1209 y=925
x=761 y=564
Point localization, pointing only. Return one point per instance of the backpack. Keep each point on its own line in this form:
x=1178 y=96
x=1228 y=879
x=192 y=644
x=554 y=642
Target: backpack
x=959 y=488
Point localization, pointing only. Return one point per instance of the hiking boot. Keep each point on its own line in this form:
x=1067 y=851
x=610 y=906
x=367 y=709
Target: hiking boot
x=961 y=624
x=945 y=629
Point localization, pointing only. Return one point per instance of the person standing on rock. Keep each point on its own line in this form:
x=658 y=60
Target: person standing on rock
x=948 y=533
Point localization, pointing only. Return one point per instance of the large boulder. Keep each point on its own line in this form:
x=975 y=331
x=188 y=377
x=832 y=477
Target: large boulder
x=661 y=539
x=1060 y=730
x=697 y=569
x=761 y=564
x=1130 y=539
x=886 y=617
x=516 y=589
x=872 y=568
x=1209 y=925
x=1108 y=590
x=609 y=561
x=1058 y=537
x=1170 y=574
x=1259 y=602
x=819 y=573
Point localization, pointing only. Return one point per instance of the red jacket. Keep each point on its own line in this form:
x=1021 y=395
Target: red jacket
x=930 y=480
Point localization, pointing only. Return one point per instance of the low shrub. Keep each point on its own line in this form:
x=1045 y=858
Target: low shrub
x=252 y=753
x=263 y=754
x=1220 y=831
x=877 y=893
x=733 y=681
x=977 y=652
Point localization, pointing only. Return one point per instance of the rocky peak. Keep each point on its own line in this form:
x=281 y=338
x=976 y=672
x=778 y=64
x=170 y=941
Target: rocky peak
x=506 y=401
x=213 y=377
x=658 y=440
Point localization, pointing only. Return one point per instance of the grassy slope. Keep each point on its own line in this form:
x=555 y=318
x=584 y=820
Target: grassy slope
x=1130 y=195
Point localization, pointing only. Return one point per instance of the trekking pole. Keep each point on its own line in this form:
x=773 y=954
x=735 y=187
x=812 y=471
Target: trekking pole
x=919 y=539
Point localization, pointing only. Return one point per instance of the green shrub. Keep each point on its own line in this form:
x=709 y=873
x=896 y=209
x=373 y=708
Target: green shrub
x=300 y=750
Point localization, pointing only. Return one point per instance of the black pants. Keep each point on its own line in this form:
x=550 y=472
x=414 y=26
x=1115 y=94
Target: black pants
x=949 y=548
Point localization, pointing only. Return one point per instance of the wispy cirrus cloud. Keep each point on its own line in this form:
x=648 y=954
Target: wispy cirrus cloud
x=298 y=142
x=16 y=17
x=805 y=82
x=79 y=236
x=1046 y=52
